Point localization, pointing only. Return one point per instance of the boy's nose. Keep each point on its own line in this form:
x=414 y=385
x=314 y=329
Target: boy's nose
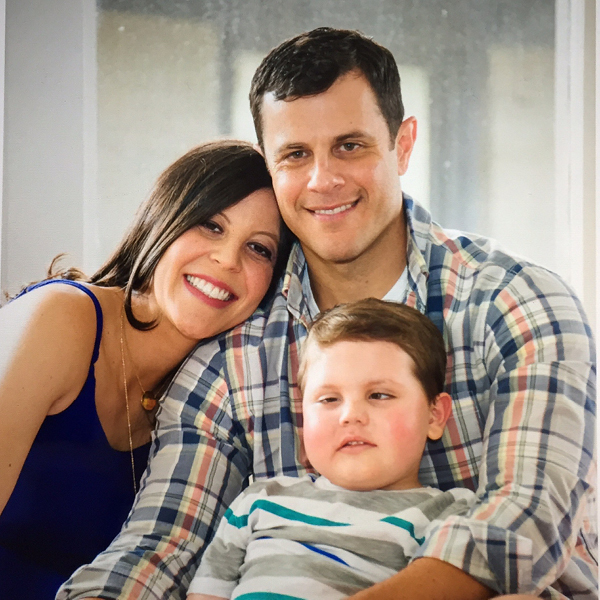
x=353 y=412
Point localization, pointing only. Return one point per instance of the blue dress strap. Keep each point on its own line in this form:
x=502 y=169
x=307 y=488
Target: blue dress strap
x=83 y=288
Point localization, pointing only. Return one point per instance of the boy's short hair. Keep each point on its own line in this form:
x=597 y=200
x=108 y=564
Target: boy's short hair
x=310 y=63
x=372 y=320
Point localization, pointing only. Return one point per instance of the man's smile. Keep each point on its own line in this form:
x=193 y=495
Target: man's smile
x=335 y=210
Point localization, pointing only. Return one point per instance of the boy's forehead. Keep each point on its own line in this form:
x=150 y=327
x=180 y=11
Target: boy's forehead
x=327 y=356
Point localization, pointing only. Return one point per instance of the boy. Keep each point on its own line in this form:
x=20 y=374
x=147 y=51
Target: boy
x=372 y=376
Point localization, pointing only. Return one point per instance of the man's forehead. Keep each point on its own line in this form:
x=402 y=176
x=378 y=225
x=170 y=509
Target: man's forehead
x=347 y=106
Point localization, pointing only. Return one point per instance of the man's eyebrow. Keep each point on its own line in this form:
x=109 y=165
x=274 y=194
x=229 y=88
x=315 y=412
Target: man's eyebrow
x=288 y=147
x=353 y=135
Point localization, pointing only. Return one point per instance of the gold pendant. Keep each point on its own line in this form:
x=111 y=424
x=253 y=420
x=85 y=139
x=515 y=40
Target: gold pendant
x=148 y=401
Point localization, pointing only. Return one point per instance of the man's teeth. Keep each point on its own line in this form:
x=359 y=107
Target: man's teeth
x=335 y=211
x=355 y=443
x=208 y=289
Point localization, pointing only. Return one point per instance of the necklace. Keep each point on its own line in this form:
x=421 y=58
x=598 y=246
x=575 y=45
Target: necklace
x=127 y=409
x=148 y=400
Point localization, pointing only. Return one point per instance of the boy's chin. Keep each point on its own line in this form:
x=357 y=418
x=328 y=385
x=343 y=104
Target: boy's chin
x=367 y=483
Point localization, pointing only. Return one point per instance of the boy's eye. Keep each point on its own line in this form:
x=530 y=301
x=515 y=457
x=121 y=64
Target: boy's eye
x=261 y=250
x=379 y=396
x=328 y=400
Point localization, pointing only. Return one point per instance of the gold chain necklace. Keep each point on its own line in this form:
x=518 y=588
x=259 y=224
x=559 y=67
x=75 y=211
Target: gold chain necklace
x=148 y=398
x=127 y=407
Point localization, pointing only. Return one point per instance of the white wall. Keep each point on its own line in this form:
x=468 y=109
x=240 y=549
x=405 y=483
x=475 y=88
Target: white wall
x=43 y=136
x=2 y=54
x=575 y=148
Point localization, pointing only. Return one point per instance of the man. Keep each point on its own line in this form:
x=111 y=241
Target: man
x=329 y=119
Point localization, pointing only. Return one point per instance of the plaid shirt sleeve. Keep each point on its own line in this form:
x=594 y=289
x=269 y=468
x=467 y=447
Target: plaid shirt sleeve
x=199 y=464
x=537 y=470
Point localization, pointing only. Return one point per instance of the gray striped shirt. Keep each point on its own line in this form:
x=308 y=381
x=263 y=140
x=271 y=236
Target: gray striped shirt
x=311 y=539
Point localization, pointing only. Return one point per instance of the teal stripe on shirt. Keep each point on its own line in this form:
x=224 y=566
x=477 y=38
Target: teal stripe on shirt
x=267 y=596
x=293 y=515
x=280 y=511
x=406 y=525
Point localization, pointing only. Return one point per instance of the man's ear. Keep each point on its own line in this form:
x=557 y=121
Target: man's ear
x=439 y=412
x=405 y=142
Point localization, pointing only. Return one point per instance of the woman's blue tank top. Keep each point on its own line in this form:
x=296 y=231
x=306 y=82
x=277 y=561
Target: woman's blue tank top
x=72 y=496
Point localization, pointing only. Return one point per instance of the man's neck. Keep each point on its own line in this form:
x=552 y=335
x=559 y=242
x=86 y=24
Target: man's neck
x=372 y=274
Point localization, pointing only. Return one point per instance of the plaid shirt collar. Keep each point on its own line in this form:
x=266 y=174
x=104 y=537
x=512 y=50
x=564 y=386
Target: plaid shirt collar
x=419 y=225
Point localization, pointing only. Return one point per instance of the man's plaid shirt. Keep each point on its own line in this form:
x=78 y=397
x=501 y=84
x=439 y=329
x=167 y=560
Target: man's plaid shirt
x=521 y=372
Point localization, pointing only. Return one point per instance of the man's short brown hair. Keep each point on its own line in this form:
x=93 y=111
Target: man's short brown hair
x=372 y=320
x=310 y=63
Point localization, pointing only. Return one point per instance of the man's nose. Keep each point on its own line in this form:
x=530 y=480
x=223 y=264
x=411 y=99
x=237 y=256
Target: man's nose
x=325 y=175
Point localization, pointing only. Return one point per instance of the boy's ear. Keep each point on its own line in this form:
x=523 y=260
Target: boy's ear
x=439 y=412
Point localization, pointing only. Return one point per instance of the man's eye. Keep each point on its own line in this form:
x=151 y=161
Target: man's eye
x=349 y=146
x=296 y=155
x=261 y=250
x=212 y=227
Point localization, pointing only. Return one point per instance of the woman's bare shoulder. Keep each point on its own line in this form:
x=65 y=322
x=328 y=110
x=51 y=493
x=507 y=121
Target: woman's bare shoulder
x=52 y=305
x=49 y=332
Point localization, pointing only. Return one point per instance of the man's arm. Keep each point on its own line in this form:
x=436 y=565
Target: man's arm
x=219 y=571
x=430 y=578
x=427 y=579
x=198 y=465
x=537 y=471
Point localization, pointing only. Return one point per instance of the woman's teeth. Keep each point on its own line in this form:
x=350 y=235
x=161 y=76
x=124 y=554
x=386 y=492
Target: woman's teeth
x=208 y=289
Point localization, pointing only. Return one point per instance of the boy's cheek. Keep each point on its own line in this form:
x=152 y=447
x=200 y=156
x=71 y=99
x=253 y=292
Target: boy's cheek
x=317 y=436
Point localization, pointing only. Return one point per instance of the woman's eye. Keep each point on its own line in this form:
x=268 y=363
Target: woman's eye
x=261 y=250
x=212 y=226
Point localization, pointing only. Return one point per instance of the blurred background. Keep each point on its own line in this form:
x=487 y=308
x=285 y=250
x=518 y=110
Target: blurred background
x=101 y=96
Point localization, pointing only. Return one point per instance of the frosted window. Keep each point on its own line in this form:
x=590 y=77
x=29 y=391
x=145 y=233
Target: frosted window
x=478 y=74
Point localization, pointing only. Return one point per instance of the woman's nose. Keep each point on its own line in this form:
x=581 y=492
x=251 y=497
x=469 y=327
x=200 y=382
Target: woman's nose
x=228 y=256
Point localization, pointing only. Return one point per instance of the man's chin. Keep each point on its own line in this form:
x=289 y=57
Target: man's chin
x=333 y=256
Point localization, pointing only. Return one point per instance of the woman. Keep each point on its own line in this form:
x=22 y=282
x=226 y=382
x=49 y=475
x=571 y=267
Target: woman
x=82 y=360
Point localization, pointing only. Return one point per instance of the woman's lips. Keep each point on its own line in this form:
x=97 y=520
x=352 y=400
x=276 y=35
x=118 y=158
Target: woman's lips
x=212 y=291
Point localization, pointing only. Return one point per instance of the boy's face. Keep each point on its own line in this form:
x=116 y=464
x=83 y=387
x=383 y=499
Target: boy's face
x=366 y=415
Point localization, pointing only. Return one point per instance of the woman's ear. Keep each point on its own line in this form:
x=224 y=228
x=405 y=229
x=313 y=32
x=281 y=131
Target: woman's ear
x=439 y=412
